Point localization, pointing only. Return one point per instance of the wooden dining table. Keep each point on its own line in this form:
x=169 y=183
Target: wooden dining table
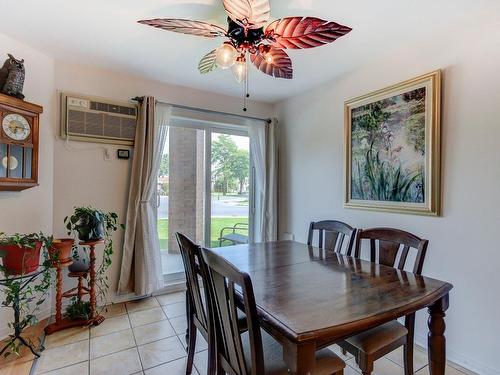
x=308 y=298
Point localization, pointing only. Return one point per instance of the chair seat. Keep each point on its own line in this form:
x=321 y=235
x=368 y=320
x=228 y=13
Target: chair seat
x=327 y=362
x=377 y=338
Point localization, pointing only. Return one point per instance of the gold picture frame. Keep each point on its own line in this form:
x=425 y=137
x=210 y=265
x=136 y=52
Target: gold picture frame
x=393 y=149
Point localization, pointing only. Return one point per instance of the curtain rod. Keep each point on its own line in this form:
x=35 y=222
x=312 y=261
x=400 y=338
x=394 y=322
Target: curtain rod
x=139 y=99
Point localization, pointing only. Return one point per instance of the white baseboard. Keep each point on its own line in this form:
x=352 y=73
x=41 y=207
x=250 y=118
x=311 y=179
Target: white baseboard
x=461 y=359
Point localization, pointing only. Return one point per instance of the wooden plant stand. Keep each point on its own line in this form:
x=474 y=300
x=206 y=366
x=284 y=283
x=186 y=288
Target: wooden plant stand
x=95 y=319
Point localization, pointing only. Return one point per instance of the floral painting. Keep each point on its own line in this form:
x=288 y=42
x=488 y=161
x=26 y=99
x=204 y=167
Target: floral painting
x=390 y=151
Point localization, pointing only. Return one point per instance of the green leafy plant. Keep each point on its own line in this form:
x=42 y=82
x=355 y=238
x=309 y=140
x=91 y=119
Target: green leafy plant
x=88 y=224
x=78 y=310
x=24 y=292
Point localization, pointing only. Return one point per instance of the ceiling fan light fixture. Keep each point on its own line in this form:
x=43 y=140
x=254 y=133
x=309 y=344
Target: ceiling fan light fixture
x=226 y=56
x=240 y=69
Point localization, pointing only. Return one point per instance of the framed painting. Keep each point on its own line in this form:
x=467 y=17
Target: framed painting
x=392 y=148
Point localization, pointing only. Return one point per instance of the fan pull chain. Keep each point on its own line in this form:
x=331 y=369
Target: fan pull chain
x=247 y=85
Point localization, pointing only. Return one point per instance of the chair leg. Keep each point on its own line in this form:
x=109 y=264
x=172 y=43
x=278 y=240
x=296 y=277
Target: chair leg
x=191 y=345
x=408 y=358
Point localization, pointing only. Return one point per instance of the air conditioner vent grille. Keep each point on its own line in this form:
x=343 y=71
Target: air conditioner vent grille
x=85 y=119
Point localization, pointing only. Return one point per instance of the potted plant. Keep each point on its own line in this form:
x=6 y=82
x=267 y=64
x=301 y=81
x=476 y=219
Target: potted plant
x=60 y=251
x=90 y=224
x=21 y=252
x=24 y=290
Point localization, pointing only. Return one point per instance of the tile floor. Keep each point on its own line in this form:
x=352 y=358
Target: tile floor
x=147 y=338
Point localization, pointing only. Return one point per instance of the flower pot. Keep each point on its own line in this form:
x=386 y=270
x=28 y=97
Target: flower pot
x=21 y=260
x=90 y=230
x=60 y=251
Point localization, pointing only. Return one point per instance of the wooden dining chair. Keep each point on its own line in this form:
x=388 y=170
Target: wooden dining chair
x=389 y=247
x=197 y=317
x=255 y=352
x=332 y=234
x=197 y=314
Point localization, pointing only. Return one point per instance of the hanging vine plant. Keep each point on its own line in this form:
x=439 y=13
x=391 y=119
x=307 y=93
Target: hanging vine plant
x=25 y=286
x=89 y=224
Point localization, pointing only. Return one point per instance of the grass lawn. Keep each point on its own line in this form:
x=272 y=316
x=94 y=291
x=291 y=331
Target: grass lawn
x=217 y=224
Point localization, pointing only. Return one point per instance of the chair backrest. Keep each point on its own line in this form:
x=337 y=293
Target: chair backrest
x=391 y=243
x=194 y=267
x=332 y=235
x=225 y=282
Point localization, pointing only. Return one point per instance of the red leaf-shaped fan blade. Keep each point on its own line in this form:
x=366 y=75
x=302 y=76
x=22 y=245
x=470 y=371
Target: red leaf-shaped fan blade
x=253 y=14
x=280 y=65
x=186 y=27
x=308 y=32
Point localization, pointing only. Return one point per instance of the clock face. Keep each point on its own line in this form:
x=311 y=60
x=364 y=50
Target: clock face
x=16 y=127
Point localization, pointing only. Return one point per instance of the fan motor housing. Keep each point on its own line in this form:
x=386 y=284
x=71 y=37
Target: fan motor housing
x=239 y=37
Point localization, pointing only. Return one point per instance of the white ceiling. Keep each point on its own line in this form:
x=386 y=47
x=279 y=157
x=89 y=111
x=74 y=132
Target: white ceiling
x=104 y=33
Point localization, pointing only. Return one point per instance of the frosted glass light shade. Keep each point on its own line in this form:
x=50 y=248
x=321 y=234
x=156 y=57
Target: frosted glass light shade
x=240 y=70
x=226 y=56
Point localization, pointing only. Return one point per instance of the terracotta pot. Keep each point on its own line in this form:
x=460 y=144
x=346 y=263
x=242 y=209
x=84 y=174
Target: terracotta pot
x=61 y=251
x=21 y=260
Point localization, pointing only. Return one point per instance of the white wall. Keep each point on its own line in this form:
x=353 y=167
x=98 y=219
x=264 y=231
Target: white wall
x=82 y=176
x=31 y=210
x=464 y=246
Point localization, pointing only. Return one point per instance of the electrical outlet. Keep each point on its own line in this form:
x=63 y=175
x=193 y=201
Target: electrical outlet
x=107 y=155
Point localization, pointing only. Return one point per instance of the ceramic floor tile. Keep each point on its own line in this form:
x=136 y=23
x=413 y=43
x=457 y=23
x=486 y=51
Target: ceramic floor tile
x=179 y=324
x=383 y=366
x=177 y=367
x=419 y=358
x=174 y=310
x=201 y=362
x=168 y=299
x=153 y=332
x=159 y=352
x=449 y=371
x=142 y=304
x=115 y=309
x=126 y=362
x=112 y=343
x=63 y=356
x=201 y=343
x=68 y=336
x=78 y=369
x=141 y=318
x=111 y=325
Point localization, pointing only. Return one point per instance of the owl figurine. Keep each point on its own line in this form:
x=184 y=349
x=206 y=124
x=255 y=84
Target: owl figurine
x=12 y=76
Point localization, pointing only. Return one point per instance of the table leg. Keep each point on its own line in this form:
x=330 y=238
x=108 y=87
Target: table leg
x=436 y=339
x=300 y=358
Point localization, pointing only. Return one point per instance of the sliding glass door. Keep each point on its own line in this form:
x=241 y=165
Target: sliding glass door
x=204 y=189
x=229 y=189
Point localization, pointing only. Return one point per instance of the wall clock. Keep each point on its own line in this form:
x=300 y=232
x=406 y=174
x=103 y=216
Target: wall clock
x=19 y=122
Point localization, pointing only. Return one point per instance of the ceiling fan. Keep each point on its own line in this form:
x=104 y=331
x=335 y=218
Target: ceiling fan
x=248 y=38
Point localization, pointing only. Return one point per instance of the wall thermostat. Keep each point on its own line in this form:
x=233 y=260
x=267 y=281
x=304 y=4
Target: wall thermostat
x=123 y=154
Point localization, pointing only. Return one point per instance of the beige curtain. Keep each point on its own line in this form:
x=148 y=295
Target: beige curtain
x=264 y=151
x=141 y=271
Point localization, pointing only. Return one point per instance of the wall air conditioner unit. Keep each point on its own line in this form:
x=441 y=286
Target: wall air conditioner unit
x=92 y=119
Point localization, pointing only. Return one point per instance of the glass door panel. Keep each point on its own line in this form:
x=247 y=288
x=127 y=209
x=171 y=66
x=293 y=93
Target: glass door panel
x=229 y=190
x=181 y=194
